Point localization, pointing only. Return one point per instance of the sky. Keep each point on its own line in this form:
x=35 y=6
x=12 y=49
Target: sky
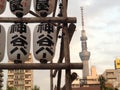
x=102 y=19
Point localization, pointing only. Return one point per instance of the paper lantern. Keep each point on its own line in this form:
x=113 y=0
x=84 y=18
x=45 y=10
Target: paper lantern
x=2 y=6
x=44 y=7
x=18 y=44
x=44 y=42
x=2 y=42
x=20 y=7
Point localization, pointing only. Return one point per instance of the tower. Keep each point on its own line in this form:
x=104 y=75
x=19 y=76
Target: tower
x=84 y=54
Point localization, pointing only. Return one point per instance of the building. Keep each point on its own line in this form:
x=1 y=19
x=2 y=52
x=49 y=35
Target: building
x=92 y=80
x=87 y=88
x=21 y=79
x=112 y=76
x=117 y=63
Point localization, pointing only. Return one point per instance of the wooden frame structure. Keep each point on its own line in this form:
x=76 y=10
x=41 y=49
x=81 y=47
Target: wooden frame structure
x=64 y=49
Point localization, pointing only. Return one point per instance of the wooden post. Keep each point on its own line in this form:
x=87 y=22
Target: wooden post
x=59 y=79
x=51 y=78
x=67 y=57
x=73 y=77
x=71 y=31
x=66 y=46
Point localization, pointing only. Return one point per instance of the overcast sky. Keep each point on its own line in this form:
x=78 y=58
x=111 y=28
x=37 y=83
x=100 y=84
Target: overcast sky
x=102 y=28
x=102 y=19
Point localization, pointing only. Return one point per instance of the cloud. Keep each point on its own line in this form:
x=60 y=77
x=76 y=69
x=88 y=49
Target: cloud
x=99 y=7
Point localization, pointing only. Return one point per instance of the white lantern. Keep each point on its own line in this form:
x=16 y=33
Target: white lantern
x=2 y=6
x=2 y=42
x=44 y=7
x=18 y=44
x=44 y=42
x=20 y=7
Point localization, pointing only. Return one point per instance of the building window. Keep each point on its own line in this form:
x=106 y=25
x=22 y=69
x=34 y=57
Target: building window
x=110 y=73
x=27 y=88
x=16 y=83
x=10 y=71
x=10 y=76
x=27 y=76
x=11 y=83
x=27 y=82
x=27 y=71
x=21 y=82
x=21 y=76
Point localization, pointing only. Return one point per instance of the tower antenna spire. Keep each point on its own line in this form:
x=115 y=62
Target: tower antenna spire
x=82 y=18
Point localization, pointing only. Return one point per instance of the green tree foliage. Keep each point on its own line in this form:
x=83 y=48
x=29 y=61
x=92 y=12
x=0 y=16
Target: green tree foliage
x=102 y=82
x=10 y=88
x=108 y=88
x=36 y=88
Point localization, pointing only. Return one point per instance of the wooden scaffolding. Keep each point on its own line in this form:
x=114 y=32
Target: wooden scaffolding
x=61 y=22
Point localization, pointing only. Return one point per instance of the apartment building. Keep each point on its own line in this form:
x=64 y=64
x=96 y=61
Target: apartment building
x=112 y=76
x=21 y=79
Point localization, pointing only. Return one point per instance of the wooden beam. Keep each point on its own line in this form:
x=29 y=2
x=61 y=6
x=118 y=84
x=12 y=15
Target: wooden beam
x=34 y=14
x=38 y=19
x=41 y=66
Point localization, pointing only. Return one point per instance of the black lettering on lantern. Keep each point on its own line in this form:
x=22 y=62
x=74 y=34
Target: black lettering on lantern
x=20 y=27
x=16 y=5
x=42 y=5
x=45 y=40
x=49 y=28
x=45 y=27
x=19 y=41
